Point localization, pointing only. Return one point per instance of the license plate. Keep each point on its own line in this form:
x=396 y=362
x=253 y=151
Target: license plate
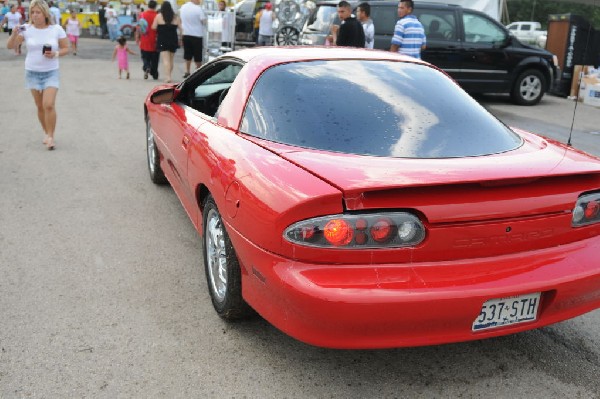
x=501 y=312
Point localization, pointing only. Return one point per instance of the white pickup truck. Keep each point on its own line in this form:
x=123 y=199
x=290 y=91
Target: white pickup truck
x=529 y=32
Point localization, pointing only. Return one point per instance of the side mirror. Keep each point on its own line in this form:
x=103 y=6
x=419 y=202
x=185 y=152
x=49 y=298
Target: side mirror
x=164 y=96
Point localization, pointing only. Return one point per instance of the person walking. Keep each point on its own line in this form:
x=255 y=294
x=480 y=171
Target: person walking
x=22 y=10
x=265 y=28
x=121 y=54
x=193 y=25
x=168 y=37
x=409 y=35
x=5 y=9
x=13 y=19
x=55 y=11
x=112 y=23
x=146 y=41
x=351 y=32
x=45 y=43
x=73 y=29
x=256 y=24
x=363 y=14
x=102 y=21
x=226 y=24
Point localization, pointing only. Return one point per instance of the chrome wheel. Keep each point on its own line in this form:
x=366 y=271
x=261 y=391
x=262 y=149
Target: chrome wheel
x=222 y=269
x=150 y=147
x=156 y=174
x=216 y=255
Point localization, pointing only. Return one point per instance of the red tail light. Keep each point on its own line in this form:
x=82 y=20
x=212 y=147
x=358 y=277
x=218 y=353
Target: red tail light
x=338 y=232
x=382 y=230
x=354 y=231
x=587 y=210
x=591 y=210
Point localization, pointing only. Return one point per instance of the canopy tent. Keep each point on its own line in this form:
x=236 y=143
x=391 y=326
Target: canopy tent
x=493 y=8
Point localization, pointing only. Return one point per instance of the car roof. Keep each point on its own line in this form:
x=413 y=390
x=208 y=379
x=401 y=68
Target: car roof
x=269 y=56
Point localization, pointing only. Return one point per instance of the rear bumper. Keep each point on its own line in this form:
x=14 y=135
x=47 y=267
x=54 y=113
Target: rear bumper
x=379 y=306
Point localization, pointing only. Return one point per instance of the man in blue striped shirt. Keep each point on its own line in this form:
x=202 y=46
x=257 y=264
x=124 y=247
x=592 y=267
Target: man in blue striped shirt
x=409 y=35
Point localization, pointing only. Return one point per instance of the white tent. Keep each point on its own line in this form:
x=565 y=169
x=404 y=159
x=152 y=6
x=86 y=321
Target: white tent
x=493 y=8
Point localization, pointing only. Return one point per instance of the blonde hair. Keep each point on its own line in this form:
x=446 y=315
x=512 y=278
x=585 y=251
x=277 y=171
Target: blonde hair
x=43 y=6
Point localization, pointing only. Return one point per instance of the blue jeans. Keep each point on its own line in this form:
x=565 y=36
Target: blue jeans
x=113 y=32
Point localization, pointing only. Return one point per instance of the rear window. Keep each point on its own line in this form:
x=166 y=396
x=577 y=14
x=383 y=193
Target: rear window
x=378 y=108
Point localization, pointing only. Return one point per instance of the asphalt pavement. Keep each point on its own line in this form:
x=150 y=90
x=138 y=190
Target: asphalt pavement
x=102 y=287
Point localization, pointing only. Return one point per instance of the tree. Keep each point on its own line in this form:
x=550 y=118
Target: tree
x=538 y=10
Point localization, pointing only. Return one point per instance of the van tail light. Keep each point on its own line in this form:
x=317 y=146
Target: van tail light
x=357 y=231
x=587 y=210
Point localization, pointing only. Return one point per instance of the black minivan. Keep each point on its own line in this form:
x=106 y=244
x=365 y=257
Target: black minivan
x=477 y=51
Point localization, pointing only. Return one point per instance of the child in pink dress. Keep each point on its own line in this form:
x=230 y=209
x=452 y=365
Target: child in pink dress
x=73 y=28
x=120 y=53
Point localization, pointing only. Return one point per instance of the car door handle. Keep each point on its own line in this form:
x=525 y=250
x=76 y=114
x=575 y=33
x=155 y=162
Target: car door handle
x=185 y=141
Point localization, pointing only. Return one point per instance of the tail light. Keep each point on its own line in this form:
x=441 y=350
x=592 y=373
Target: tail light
x=377 y=230
x=587 y=210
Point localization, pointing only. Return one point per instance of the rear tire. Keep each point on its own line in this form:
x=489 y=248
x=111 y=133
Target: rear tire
x=156 y=173
x=223 y=273
x=529 y=88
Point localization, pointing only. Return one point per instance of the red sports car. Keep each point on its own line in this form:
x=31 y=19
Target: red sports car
x=360 y=199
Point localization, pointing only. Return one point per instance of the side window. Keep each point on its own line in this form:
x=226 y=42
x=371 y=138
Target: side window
x=384 y=18
x=480 y=29
x=513 y=27
x=205 y=92
x=526 y=27
x=438 y=25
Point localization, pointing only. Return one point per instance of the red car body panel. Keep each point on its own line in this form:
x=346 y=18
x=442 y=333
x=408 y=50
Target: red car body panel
x=497 y=225
x=410 y=303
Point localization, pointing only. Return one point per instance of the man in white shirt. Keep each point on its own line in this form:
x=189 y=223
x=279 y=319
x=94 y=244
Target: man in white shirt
x=265 y=29
x=363 y=13
x=112 y=23
x=55 y=14
x=193 y=24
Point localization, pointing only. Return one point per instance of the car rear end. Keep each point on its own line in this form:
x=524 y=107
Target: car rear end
x=490 y=257
x=448 y=225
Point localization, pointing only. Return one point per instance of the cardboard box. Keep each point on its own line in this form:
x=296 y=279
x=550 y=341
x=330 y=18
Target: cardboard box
x=579 y=72
x=592 y=95
x=586 y=82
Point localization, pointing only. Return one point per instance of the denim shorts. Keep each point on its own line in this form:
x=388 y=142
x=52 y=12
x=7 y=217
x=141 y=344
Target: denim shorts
x=41 y=80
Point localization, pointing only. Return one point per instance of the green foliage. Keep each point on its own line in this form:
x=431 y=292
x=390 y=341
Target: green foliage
x=538 y=10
